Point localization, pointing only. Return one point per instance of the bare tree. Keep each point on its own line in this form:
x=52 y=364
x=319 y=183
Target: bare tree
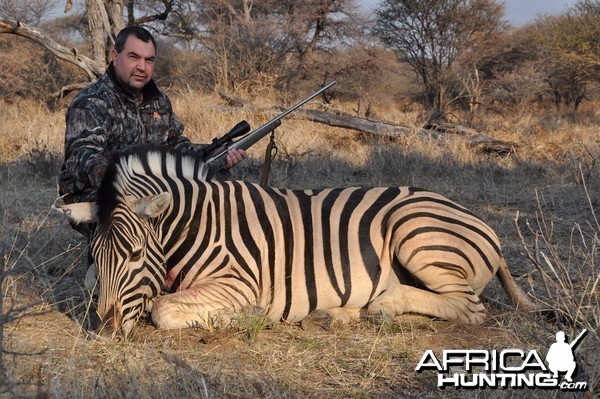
x=431 y=35
x=241 y=39
x=510 y=70
x=29 y=12
x=314 y=24
x=92 y=67
x=105 y=19
x=245 y=38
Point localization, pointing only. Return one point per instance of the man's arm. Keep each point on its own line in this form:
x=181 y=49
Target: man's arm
x=85 y=145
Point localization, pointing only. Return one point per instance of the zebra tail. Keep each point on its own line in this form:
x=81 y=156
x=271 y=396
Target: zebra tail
x=514 y=292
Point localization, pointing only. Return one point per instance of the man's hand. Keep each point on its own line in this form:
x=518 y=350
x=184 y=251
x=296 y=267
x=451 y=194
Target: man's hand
x=234 y=157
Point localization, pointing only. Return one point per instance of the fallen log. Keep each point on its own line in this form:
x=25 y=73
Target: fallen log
x=364 y=125
x=475 y=139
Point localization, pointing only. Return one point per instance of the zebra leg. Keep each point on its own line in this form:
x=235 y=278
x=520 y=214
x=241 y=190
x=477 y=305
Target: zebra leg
x=454 y=306
x=207 y=306
x=326 y=319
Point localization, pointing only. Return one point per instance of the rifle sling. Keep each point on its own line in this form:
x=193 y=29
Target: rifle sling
x=270 y=153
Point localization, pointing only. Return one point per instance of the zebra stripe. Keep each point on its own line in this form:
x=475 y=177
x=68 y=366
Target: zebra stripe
x=221 y=246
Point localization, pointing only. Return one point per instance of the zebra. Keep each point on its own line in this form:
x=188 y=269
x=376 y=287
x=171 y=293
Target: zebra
x=175 y=244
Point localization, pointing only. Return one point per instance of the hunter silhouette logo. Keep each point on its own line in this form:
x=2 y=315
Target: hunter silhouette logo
x=560 y=356
x=507 y=368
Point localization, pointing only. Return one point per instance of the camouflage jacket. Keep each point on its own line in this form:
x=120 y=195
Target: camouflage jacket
x=105 y=118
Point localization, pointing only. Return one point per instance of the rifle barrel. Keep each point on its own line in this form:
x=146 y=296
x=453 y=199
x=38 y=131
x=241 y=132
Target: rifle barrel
x=307 y=99
x=251 y=138
x=576 y=340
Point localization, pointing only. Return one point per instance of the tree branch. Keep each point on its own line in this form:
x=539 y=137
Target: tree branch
x=155 y=17
x=93 y=68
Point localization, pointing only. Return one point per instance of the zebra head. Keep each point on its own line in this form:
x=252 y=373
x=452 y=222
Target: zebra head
x=128 y=257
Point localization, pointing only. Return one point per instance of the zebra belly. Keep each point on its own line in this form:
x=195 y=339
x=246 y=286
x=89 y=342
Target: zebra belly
x=326 y=287
x=326 y=298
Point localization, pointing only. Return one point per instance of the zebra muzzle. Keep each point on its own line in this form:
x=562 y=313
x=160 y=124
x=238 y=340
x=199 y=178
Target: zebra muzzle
x=111 y=324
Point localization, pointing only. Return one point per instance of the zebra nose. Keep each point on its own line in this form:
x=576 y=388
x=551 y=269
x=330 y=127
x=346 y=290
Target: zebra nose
x=111 y=324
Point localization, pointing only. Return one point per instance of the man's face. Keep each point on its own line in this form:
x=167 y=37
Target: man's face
x=134 y=66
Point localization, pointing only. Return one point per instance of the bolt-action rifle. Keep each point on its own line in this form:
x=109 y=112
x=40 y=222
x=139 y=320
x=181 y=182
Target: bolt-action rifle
x=217 y=160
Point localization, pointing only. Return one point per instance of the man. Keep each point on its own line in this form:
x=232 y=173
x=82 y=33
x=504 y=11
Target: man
x=124 y=107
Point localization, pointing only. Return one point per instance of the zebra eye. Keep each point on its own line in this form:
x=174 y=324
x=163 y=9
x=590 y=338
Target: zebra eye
x=136 y=255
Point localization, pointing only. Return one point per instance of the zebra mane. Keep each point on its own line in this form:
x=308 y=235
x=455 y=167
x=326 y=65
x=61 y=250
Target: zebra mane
x=146 y=160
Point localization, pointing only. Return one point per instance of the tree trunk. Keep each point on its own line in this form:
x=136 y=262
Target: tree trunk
x=105 y=21
x=96 y=28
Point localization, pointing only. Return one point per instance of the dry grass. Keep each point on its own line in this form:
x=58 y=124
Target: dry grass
x=543 y=182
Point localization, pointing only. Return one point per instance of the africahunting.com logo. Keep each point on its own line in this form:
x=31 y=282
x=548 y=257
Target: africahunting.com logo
x=508 y=368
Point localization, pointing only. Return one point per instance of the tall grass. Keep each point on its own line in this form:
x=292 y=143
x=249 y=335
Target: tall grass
x=567 y=275
x=15 y=262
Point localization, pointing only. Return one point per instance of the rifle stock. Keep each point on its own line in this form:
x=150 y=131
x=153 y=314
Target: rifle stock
x=218 y=160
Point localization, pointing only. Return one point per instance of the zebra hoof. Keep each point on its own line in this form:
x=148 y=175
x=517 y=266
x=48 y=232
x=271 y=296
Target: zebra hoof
x=318 y=320
x=252 y=310
x=380 y=318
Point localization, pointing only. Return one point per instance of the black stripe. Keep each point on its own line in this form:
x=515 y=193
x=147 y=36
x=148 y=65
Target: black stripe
x=200 y=219
x=128 y=300
x=414 y=200
x=246 y=234
x=235 y=288
x=283 y=212
x=264 y=219
x=449 y=220
x=146 y=165
x=217 y=250
x=369 y=255
x=141 y=185
x=443 y=201
x=173 y=217
x=446 y=266
x=442 y=248
x=216 y=200
x=305 y=202
x=428 y=229
x=230 y=244
x=344 y=246
x=328 y=204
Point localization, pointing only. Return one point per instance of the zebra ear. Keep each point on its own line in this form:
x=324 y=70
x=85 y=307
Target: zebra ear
x=152 y=205
x=81 y=212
